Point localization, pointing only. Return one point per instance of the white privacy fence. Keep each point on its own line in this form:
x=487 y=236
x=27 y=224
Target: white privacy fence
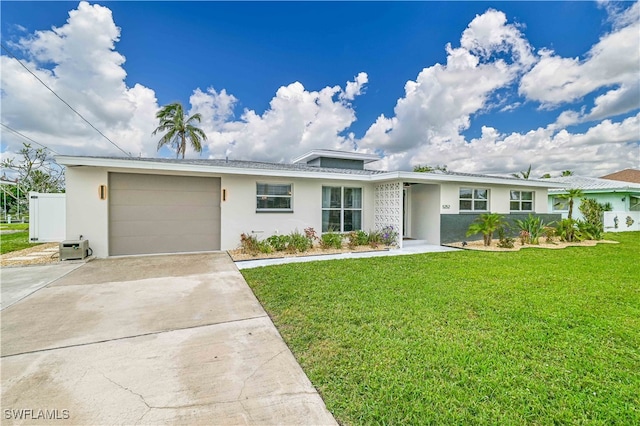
x=621 y=221
x=47 y=217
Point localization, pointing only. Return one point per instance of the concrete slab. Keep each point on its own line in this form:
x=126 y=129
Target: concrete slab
x=233 y=373
x=151 y=340
x=19 y=282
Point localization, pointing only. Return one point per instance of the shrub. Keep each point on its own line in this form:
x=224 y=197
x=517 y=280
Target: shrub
x=534 y=226
x=549 y=234
x=279 y=242
x=298 y=242
x=486 y=224
x=525 y=237
x=504 y=241
x=592 y=211
x=374 y=239
x=567 y=230
x=357 y=238
x=249 y=244
x=311 y=235
x=388 y=236
x=265 y=247
x=331 y=240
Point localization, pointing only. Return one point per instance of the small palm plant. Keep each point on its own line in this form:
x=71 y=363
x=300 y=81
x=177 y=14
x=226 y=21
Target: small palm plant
x=486 y=224
x=571 y=195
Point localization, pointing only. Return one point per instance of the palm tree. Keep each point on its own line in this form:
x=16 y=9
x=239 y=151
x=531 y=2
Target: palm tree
x=523 y=175
x=178 y=128
x=486 y=224
x=570 y=195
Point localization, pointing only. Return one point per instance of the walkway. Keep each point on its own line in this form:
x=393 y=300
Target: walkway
x=410 y=247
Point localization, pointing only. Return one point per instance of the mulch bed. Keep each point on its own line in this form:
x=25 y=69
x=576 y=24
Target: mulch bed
x=479 y=245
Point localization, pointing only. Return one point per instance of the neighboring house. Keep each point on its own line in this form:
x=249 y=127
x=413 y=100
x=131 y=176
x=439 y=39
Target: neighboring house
x=142 y=205
x=626 y=175
x=624 y=198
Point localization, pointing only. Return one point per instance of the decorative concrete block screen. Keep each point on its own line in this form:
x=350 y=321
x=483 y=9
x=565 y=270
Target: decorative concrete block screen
x=388 y=206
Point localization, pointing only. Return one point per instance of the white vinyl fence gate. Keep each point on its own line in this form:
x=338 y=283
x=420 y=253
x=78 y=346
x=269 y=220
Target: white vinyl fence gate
x=47 y=217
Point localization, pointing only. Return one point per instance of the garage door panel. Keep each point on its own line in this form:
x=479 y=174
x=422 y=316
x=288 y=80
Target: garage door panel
x=158 y=213
x=154 y=182
x=163 y=214
x=167 y=228
x=190 y=198
x=136 y=245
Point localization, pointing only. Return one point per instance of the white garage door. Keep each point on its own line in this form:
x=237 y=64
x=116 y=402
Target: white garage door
x=163 y=214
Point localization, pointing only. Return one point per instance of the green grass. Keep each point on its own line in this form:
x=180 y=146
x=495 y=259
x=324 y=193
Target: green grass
x=17 y=240
x=530 y=337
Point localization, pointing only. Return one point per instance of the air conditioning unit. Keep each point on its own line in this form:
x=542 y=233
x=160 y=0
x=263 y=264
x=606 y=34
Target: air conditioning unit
x=74 y=250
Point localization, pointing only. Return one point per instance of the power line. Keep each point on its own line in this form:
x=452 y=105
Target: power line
x=63 y=101
x=28 y=138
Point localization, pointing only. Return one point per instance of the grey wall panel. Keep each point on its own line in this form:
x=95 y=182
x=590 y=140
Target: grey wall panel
x=163 y=214
x=453 y=227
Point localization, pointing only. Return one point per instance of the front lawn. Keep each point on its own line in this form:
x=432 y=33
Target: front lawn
x=14 y=241
x=529 y=337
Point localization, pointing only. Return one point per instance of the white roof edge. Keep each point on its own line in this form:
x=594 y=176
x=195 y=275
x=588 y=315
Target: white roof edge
x=316 y=153
x=437 y=177
x=397 y=175
x=175 y=167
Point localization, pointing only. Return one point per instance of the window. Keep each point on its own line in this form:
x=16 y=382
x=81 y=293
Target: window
x=273 y=197
x=634 y=203
x=474 y=199
x=560 y=204
x=521 y=201
x=341 y=209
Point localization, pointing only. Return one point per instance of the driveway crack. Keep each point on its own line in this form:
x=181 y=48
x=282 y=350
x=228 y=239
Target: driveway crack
x=144 y=401
x=244 y=384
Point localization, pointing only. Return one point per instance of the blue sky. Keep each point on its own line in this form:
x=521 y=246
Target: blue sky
x=245 y=58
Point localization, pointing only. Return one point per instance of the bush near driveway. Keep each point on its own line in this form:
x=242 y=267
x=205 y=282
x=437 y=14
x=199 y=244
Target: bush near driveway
x=529 y=337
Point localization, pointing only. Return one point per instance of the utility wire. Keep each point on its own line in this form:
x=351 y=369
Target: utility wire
x=63 y=101
x=28 y=138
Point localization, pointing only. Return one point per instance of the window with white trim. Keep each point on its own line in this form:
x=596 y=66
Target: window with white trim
x=273 y=197
x=521 y=201
x=560 y=204
x=341 y=209
x=634 y=203
x=474 y=199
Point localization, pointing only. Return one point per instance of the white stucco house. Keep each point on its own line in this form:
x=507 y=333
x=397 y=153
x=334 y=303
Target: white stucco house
x=127 y=206
x=624 y=198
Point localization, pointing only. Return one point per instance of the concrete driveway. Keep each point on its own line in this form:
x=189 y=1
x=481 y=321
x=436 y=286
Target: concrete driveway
x=150 y=340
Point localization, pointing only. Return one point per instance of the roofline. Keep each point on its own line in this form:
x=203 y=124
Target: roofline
x=71 y=161
x=149 y=164
x=445 y=177
x=625 y=189
x=317 y=153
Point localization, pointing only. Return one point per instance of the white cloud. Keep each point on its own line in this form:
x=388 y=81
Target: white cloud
x=87 y=73
x=439 y=104
x=611 y=64
x=354 y=88
x=79 y=61
x=296 y=121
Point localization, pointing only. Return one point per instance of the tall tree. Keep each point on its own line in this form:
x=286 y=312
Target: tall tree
x=177 y=128
x=33 y=170
x=567 y=173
